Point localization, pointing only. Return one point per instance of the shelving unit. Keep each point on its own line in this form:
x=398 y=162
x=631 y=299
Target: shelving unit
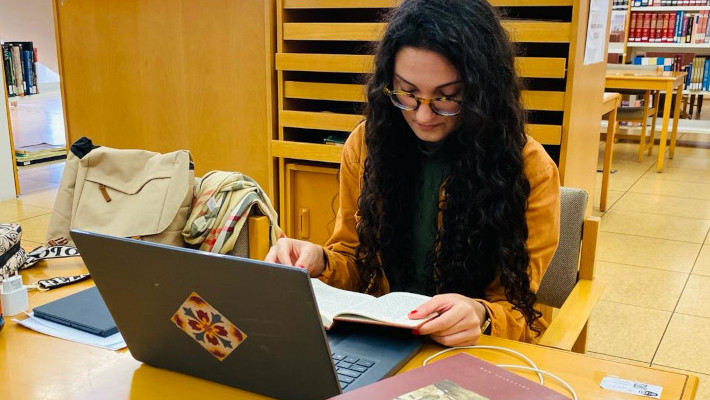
x=323 y=53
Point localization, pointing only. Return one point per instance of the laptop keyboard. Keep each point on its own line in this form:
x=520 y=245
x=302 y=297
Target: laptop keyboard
x=350 y=367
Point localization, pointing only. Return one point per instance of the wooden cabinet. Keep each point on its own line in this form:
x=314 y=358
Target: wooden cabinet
x=167 y=75
x=312 y=199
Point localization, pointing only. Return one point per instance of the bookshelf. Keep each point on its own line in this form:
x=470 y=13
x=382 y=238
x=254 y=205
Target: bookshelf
x=322 y=52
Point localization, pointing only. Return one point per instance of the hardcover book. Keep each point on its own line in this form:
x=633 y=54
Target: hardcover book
x=458 y=377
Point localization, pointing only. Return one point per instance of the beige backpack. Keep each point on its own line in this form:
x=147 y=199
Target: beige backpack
x=127 y=193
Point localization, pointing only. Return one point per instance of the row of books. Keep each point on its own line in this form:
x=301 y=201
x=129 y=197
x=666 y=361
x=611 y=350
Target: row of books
x=669 y=27
x=19 y=60
x=670 y=3
x=619 y=4
x=698 y=69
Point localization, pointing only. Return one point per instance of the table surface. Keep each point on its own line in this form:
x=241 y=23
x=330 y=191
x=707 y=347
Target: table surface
x=43 y=367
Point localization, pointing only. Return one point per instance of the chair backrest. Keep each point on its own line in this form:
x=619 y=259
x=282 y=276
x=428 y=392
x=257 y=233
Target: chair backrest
x=561 y=274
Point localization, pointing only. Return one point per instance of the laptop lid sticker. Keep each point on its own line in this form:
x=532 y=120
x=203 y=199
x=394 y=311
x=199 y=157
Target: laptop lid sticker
x=208 y=327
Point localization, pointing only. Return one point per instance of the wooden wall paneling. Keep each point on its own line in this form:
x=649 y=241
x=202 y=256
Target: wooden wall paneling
x=169 y=75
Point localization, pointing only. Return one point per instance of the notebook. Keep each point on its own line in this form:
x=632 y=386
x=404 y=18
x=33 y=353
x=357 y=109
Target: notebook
x=239 y=322
x=84 y=310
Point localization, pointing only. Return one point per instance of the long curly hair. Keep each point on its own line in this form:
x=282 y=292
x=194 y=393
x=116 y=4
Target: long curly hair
x=483 y=232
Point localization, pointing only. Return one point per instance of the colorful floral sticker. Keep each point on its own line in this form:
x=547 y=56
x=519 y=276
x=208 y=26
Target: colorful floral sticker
x=208 y=327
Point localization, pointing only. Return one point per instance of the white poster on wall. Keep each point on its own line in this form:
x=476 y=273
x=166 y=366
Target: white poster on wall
x=596 y=32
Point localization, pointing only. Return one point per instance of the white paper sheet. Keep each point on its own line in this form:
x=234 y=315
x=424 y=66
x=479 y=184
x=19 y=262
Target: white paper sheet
x=113 y=342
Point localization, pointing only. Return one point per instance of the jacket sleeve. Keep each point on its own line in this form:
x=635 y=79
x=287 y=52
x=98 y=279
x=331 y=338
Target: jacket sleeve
x=341 y=270
x=543 y=220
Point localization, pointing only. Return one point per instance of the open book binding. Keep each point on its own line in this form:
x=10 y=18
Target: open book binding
x=344 y=305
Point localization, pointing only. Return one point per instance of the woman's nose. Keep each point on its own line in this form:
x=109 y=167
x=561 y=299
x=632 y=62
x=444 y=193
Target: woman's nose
x=425 y=113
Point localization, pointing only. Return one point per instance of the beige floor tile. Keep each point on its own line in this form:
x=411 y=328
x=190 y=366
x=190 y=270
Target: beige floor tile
x=653 y=225
x=642 y=251
x=43 y=198
x=640 y=286
x=695 y=137
x=627 y=173
x=679 y=174
x=696 y=297
x=664 y=205
x=626 y=331
x=628 y=152
x=692 y=152
x=672 y=188
x=687 y=162
x=702 y=264
x=34 y=229
x=13 y=210
x=612 y=196
x=617 y=359
x=685 y=344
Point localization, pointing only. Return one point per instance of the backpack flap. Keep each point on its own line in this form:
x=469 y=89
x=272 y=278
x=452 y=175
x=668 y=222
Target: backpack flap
x=130 y=193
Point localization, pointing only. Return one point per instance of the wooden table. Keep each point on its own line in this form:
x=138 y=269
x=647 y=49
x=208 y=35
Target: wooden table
x=610 y=104
x=666 y=81
x=36 y=366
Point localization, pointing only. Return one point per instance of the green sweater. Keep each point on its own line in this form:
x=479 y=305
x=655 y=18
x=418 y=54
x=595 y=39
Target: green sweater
x=435 y=167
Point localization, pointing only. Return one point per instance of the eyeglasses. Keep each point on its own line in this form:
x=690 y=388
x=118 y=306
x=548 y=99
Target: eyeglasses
x=444 y=106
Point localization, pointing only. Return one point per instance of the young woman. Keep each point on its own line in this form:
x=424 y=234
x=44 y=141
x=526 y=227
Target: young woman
x=441 y=191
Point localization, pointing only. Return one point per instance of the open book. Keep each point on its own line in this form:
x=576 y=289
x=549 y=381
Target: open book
x=344 y=305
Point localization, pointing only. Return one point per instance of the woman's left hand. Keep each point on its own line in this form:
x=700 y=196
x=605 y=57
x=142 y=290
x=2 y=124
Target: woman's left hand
x=458 y=323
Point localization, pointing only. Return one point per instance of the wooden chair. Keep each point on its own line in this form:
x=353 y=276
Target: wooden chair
x=568 y=284
x=253 y=240
x=639 y=114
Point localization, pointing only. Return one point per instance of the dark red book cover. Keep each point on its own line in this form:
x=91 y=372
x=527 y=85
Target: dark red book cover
x=460 y=377
x=645 y=26
x=653 y=28
x=633 y=28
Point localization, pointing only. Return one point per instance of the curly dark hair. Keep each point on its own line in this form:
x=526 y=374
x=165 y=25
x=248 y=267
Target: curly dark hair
x=483 y=233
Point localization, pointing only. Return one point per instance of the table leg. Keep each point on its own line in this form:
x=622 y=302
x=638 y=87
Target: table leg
x=676 y=117
x=664 y=127
x=608 y=151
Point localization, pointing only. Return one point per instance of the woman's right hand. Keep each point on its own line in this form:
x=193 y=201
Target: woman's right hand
x=298 y=253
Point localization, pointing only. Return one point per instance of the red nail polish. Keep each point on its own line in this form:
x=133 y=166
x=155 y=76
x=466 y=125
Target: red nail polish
x=300 y=266
x=412 y=312
x=415 y=331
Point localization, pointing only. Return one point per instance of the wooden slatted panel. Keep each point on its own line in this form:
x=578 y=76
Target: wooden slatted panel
x=527 y=67
x=391 y=3
x=306 y=151
x=532 y=99
x=319 y=120
x=543 y=100
x=520 y=31
x=324 y=91
x=545 y=134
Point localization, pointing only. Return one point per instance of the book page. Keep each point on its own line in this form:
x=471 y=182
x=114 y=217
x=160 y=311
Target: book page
x=391 y=308
x=332 y=300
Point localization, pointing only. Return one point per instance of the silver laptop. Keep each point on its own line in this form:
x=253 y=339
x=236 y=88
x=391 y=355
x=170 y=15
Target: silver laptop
x=236 y=321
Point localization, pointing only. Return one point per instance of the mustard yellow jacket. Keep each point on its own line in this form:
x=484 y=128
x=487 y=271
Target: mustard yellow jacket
x=542 y=215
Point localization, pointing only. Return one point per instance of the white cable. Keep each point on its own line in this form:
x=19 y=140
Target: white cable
x=503 y=349
x=532 y=367
x=540 y=371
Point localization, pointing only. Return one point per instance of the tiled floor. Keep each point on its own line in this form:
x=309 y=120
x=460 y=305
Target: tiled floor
x=653 y=254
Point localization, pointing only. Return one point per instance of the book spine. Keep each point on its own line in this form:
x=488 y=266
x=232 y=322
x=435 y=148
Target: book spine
x=653 y=28
x=689 y=29
x=17 y=68
x=663 y=37
x=632 y=27
x=678 y=21
x=645 y=27
x=9 y=75
x=706 y=75
x=671 y=28
x=27 y=71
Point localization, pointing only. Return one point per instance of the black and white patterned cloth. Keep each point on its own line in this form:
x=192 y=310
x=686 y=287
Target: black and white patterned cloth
x=12 y=255
x=41 y=253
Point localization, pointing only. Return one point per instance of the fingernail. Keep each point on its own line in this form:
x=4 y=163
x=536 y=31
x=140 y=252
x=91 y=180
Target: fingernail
x=412 y=312
x=415 y=331
x=301 y=266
